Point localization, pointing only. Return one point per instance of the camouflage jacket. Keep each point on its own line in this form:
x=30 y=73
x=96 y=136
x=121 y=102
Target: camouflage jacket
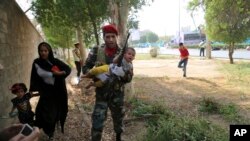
x=98 y=57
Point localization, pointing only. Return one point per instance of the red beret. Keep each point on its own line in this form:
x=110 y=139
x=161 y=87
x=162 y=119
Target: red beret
x=109 y=29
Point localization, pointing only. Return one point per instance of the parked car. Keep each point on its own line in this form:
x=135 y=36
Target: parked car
x=217 y=45
x=215 y=48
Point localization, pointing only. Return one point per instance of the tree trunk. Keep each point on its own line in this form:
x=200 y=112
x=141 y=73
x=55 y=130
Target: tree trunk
x=113 y=11
x=96 y=33
x=64 y=54
x=68 y=53
x=68 y=58
x=122 y=21
x=94 y=24
x=81 y=42
x=230 y=53
x=119 y=15
x=208 y=49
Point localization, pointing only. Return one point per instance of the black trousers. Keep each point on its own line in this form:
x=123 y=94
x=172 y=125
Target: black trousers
x=78 y=68
x=183 y=64
x=202 y=50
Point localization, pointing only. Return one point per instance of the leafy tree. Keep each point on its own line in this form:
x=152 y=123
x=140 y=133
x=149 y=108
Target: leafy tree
x=148 y=36
x=119 y=13
x=143 y=39
x=226 y=20
x=166 y=38
x=98 y=13
x=53 y=26
x=82 y=15
x=152 y=37
x=133 y=23
x=59 y=37
x=193 y=6
x=86 y=16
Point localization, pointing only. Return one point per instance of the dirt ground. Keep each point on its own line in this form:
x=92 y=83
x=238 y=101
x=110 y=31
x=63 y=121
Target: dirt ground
x=154 y=80
x=197 y=68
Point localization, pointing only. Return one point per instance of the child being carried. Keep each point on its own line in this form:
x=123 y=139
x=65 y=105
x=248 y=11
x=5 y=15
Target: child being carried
x=102 y=73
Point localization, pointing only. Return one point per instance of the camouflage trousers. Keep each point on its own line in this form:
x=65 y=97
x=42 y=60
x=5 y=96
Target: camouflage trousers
x=115 y=103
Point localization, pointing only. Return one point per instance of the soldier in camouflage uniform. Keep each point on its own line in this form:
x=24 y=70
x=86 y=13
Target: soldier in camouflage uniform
x=107 y=96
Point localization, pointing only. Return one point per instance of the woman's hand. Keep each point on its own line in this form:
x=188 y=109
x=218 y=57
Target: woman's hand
x=12 y=133
x=58 y=73
x=32 y=137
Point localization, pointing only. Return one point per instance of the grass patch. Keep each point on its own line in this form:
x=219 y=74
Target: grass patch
x=208 y=105
x=184 y=129
x=238 y=74
x=170 y=127
x=228 y=111
x=144 y=108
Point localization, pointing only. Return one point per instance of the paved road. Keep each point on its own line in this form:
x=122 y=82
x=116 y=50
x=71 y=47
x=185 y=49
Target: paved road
x=238 y=54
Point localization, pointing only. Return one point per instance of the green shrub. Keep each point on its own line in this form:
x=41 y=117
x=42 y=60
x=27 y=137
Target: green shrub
x=175 y=128
x=208 y=105
x=169 y=127
x=141 y=108
x=230 y=112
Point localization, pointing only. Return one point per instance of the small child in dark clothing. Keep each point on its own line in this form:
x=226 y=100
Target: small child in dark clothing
x=22 y=104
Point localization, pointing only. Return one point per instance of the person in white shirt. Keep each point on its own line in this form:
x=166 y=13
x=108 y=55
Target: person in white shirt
x=202 y=46
x=77 y=59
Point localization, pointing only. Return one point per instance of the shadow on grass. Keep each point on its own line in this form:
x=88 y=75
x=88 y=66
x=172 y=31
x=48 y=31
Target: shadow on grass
x=203 y=80
x=183 y=95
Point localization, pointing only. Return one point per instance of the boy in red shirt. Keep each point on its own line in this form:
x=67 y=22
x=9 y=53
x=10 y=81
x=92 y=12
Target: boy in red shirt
x=184 y=58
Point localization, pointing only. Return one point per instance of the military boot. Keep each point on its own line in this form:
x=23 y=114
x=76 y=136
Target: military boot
x=118 y=137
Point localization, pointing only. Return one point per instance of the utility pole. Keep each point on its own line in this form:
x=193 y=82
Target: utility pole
x=179 y=34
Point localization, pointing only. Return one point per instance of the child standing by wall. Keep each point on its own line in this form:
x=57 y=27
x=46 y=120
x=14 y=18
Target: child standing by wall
x=22 y=104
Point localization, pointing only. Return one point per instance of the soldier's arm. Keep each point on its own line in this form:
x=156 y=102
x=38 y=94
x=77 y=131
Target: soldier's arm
x=90 y=61
x=128 y=76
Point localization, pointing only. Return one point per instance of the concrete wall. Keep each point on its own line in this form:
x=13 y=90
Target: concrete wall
x=18 y=47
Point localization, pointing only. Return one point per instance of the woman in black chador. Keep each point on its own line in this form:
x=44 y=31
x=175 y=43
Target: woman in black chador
x=48 y=78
